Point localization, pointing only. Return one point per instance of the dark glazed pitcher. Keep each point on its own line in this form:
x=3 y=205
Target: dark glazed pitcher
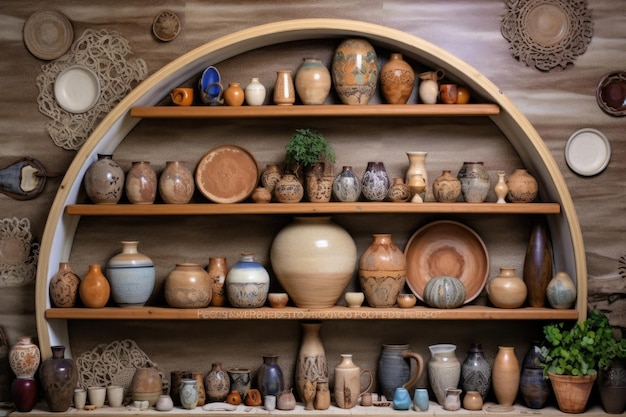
x=394 y=370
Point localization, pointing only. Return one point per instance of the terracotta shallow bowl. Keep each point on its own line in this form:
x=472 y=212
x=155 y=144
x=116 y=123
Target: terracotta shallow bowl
x=447 y=248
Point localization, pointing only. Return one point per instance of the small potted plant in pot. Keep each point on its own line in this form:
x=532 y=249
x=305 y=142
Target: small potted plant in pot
x=571 y=359
x=309 y=154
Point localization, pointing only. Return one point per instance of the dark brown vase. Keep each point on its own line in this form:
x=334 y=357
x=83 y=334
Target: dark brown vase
x=534 y=387
x=538 y=265
x=59 y=377
x=612 y=387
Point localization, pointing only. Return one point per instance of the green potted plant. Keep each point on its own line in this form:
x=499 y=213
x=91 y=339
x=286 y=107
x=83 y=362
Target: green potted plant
x=572 y=357
x=309 y=154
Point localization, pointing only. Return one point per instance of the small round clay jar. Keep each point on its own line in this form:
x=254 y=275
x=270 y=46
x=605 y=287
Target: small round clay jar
x=278 y=299
x=406 y=300
x=473 y=401
x=354 y=299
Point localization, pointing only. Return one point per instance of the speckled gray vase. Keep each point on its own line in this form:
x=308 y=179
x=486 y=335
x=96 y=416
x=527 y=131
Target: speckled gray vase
x=475 y=184
x=375 y=183
x=476 y=371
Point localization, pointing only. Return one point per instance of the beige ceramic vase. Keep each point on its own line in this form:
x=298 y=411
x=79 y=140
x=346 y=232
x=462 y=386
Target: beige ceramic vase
x=319 y=185
x=397 y=80
x=104 y=181
x=348 y=382
x=522 y=187
x=141 y=183
x=446 y=188
x=505 y=375
x=217 y=270
x=24 y=357
x=561 y=291
x=311 y=364
x=64 y=286
x=94 y=288
x=188 y=286
x=507 y=290
x=312 y=81
x=417 y=166
x=314 y=260
x=176 y=184
x=501 y=189
x=284 y=91
x=382 y=271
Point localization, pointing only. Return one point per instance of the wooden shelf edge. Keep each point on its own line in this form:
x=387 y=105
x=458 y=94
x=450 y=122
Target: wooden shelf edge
x=337 y=110
x=294 y=313
x=307 y=208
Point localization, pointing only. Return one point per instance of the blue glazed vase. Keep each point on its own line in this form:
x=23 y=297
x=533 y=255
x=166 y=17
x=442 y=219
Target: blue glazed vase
x=420 y=399
x=401 y=399
x=247 y=283
x=131 y=275
x=270 y=377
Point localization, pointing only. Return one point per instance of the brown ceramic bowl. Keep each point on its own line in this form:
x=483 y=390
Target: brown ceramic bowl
x=406 y=300
x=278 y=299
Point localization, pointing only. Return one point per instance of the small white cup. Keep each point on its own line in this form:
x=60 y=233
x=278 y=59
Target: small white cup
x=80 y=398
x=96 y=395
x=115 y=395
x=269 y=402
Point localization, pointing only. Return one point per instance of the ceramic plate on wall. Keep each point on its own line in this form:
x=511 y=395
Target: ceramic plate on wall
x=227 y=174
x=77 y=89
x=588 y=152
x=48 y=34
x=611 y=93
x=446 y=248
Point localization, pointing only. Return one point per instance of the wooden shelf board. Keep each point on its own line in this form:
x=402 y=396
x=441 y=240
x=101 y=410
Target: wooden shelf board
x=307 y=208
x=373 y=110
x=294 y=313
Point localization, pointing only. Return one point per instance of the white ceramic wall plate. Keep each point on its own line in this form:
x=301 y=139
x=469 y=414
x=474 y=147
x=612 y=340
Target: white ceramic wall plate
x=77 y=89
x=587 y=152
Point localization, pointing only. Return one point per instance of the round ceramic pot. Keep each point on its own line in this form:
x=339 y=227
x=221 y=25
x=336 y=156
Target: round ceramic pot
x=475 y=183
x=188 y=286
x=507 y=290
x=131 y=275
x=104 y=181
x=522 y=187
x=312 y=81
x=346 y=186
x=247 y=283
x=355 y=71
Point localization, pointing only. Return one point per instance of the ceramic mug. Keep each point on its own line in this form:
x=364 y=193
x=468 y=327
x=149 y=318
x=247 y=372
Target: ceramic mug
x=182 y=96
x=448 y=93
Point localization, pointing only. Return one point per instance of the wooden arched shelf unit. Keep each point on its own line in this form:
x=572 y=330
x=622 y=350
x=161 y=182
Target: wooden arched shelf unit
x=64 y=216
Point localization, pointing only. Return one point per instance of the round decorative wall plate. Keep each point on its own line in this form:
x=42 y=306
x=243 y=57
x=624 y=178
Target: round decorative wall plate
x=587 y=152
x=547 y=34
x=77 y=89
x=166 y=25
x=48 y=34
x=611 y=93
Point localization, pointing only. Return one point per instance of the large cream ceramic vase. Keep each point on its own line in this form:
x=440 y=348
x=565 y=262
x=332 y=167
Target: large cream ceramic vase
x=314 y=260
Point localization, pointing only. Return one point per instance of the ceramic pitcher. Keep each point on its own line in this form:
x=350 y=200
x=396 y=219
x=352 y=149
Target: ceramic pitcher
x=394 y=370
x=348 y=382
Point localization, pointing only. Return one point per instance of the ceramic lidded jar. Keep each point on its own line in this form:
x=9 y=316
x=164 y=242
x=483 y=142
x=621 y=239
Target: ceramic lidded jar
x=104 y=181
x=522 y=187
x=347 y=185
x=314 y=260
x=355 y=71
x=247 y=283
x=59 y=376
x=64 y=286
x=141 y=183
x=397 y=80
x=375 y=182
x=507 y=290
x=475 y=184
x=382 y=271
x=188 y=286
x=176 y=184
x=131 y=275
x=254 y=93
x=446 y=188
x=24 y=357
x=94 y=288
x=312 y=81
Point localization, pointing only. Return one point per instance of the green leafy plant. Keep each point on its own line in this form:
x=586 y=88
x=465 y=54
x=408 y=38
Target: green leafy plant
x=588 y=346
x=308 y=147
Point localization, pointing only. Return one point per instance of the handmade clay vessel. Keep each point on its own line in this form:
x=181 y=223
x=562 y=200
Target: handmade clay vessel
x=234 y=95
x=255 y=92
x=446 y=188
x=505 y=375
x=58 y=376
x=452 y=400
x=176 y=381
x=397 y=79
x=131 y=276
x=417 y=166
x=347 y=185
x=534 y=387
x=522 y=187
x=476 y=371
x=444 y=292
x=473 y=401
x=141 y=183
x=284 y=91
x=319 y=183
x=375 y=182
x=429 y=87
x=288 y=189
x=176 y=183
x=270 y=379
x=312 y=81
x=394 y=369
x=270 y=177
x=188 y=286
x=421 y=401
x=538 y=265
x=24 y=357
x=311 y=364
x=507 y=290
x=355 y=71
x=561 y=291
x=146 y=385
x=382 y=271
x=247 y=283
x=217 y=270
x=240 y=381
x=189 y=394
x=401 y=399
x=475 y=184
x=217 y=384
x=444 y=369
x=348 y=382
x=501 y=189
x=399 y=192
x=322 y=395
x=94 y=288
x=314 y=260
x=104 y=181
x=64 y=286
x=261 y=196
x=164 y=403
x=24 y=394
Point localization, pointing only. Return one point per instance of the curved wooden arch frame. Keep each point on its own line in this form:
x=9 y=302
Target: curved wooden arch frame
x=60 y=228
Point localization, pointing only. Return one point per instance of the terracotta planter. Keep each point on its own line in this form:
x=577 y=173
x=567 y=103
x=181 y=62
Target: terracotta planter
x=572 y=392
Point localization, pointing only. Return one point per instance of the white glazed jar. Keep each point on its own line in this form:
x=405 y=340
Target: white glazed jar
x=255 y=93
x=247 y=283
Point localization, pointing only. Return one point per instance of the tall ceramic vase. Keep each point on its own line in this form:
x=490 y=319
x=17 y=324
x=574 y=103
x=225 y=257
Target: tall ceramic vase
x=355 y=71
x=444 y=369
x=311 y=364
x=312 y=81
x=314 y=260
x=141 y=183
x=348 y=382
x=397 y=80
x=64 y=286
x=131 y=275
x=506 y=375
x=382 y=271
x=104 y=181
x=217 y=270
x=59 y=376
x=270 y=379
x=284 y=91
x=538 y=266
x=476 y=371
x=417 y=165
x=94 y=288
